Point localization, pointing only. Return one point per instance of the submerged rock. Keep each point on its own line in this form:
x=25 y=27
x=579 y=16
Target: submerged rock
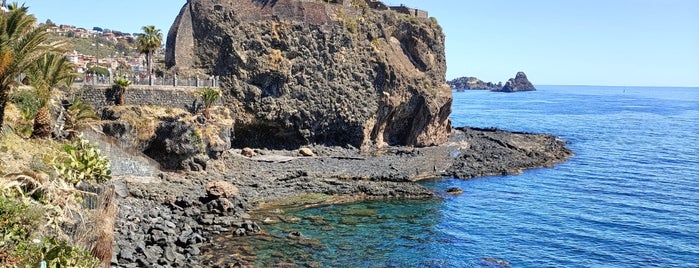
x=455 y=191
x=495 y=261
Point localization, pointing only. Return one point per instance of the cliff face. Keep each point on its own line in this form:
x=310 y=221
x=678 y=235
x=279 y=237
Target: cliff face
x=297 y=72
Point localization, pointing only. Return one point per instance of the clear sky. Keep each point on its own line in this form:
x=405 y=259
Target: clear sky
x=556 y=42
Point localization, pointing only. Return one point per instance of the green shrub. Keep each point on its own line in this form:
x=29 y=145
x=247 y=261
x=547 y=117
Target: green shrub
x=17 y=221
x=210 y=96
x=84 y=163
x=360 y=4
x=98 y=70
x=56 y=253
x=27 y=101
x=19 y=224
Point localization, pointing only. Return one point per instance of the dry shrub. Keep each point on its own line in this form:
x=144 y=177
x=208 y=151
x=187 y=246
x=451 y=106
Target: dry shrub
x=104 y=226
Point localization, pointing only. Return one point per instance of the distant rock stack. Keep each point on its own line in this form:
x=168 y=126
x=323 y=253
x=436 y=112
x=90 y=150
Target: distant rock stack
x=472 y=83
x=519 y=83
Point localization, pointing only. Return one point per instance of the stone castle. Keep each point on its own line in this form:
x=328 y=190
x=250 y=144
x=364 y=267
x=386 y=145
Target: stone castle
x=181 y=37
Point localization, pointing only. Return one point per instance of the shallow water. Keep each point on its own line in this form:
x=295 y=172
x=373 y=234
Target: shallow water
x=628 y=198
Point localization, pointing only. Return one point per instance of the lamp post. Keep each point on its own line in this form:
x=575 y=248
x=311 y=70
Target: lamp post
x=97 y=46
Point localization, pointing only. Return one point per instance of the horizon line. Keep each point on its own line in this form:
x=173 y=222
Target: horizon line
x=580 y=85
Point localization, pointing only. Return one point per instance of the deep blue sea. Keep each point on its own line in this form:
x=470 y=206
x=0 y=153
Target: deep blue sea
x=628 y=198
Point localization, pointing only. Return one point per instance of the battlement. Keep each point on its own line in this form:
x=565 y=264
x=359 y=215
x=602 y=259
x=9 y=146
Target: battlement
x=410 y=11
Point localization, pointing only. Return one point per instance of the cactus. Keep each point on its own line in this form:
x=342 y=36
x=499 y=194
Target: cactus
x=84 y=163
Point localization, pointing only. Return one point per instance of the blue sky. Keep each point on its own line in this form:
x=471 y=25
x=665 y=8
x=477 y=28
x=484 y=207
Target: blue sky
x=571 y=42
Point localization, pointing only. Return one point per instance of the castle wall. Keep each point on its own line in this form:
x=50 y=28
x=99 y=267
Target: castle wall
x=312 y=12
x=410 y=11
x=180 y=40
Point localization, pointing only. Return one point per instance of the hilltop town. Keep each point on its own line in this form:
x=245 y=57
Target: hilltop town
x=101 y=51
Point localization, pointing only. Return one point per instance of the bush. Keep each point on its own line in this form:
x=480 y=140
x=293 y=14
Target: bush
x=84 y=163
x=210 y=96
x=27 y=101
x=98 y=70
x=17 y=221
x=56 y=253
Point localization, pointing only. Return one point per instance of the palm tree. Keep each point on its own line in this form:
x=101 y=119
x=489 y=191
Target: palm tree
x=49 y=72
x=148 y=42
x=21 y=44
x=122 y=84
x=78 y=114
x=210 y=96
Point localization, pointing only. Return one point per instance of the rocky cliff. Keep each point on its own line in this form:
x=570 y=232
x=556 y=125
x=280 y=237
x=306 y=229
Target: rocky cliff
x=296 y=71
x=519 y=83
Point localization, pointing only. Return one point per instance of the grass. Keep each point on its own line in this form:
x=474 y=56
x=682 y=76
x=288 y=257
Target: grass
x=18 y=154
x=34 y=204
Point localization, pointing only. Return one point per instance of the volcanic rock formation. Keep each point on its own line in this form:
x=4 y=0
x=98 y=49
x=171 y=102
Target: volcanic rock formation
x=519 y=83
x=297 y=72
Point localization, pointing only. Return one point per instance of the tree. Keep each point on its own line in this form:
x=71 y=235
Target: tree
x=210 y=96
x=121 y=84
x=21 y=44
x=148 y=43
x=49 y=72
x=98 y=70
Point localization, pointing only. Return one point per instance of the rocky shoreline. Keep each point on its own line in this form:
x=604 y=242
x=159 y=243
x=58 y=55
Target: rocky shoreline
x=167 y=221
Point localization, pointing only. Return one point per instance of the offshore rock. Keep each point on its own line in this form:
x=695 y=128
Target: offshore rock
x=473 y=83
x=519 y=83
x=301 y=72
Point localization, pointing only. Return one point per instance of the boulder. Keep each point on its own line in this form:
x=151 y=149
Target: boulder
x=306 y=152
x=247 y=152
x=216 y=189
x=519 y=83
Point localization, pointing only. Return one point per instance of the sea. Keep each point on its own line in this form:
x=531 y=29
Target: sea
x=628 y=198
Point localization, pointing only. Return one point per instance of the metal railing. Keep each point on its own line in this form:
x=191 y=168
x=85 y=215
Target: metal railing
x=142 y=80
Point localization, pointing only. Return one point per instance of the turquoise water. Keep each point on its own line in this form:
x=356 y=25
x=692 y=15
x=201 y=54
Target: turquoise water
x=628 y=198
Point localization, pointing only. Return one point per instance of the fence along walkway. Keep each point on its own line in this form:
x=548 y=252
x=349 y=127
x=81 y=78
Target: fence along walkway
x=166 y=80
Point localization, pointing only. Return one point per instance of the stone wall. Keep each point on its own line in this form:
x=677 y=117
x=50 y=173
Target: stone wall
x=184 y=98
x=410 y=11
x=312 y=12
